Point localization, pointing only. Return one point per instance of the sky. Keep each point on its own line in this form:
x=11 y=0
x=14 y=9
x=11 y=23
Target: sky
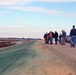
x=33 y=18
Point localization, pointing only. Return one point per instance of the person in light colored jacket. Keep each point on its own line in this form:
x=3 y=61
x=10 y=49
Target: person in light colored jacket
x=63 y=37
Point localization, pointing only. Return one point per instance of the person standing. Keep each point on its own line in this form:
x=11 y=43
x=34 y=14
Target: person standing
x=73 y=36
x=60 y=36
x=46 y=38
x=56 y=37
x=63 y=37
x=51 y=37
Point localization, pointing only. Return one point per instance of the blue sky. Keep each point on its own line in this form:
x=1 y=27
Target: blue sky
x=33 y=18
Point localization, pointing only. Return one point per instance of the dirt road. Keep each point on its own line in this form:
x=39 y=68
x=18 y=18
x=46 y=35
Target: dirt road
x=37 y=58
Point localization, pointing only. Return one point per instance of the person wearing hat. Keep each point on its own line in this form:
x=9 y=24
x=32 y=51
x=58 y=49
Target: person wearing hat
x=73 y=36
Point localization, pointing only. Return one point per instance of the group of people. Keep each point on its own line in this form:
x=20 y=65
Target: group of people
x=61 y=38
x=49 y=37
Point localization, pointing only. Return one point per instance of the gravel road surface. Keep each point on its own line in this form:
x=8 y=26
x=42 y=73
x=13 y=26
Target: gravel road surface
x=38 y=58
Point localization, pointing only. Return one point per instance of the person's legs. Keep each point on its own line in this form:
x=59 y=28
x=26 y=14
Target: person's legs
x=72 y=41
x=59 y=41
x=45 y=40
x=50 y=40
x=75 y=40
x=55 y=40
x=64 y=41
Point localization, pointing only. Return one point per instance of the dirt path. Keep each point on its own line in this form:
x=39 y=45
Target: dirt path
x=55 y=59
x=37 y=58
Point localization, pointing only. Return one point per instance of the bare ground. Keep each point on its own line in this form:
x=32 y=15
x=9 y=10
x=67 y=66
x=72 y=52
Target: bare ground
x=50 y=60
x=56 y=59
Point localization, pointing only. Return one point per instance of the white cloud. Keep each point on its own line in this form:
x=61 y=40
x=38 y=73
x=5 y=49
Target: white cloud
x=57 y=0
x=12 y=2
x=28 y=32
x=42 y=10
x=4 y=12
x=37 y=9
x=9 y=3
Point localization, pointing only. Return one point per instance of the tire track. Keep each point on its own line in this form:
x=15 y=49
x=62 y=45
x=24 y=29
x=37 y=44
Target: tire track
x=69 y=61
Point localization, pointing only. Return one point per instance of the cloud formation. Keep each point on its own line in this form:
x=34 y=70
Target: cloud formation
x=42 y=10
x=28 y=32
x=4 y=13
x=13 y=2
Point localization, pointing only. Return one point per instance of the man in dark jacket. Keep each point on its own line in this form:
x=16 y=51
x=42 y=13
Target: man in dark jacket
x=46 y=38
x=73 y=36
x=56 y=37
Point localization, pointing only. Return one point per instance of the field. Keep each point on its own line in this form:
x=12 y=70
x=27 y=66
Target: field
x=37 y=58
